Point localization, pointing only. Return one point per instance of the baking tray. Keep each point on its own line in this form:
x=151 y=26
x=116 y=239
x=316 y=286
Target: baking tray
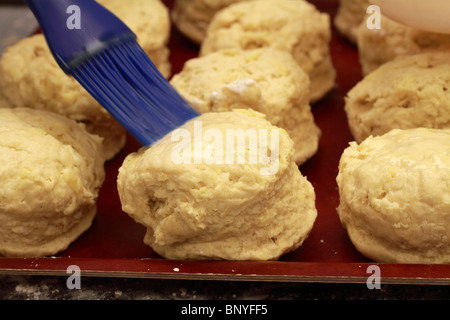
x=113 y=246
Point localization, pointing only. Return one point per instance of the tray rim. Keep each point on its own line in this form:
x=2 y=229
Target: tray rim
x=214 y=270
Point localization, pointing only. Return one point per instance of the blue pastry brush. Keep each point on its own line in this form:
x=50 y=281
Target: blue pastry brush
x=102 y=54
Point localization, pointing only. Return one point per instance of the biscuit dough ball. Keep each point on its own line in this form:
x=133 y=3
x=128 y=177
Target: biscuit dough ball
x=266 y=80
x=394 y=40
x=51 y=170
x=394 y=196
x=192 y=17
x=31 y=78
x=150 y=21
x=294 y=26
x=197 y=204
x=409 y=92
x=349 y=17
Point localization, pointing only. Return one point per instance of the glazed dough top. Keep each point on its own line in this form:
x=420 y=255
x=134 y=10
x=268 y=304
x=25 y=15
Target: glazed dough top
x=197 y=164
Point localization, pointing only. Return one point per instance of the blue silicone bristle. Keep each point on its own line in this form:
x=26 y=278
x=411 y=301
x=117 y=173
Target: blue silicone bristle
x=104 y=57
x=126 y=82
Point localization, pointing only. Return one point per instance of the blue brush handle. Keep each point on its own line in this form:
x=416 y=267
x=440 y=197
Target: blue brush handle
x=99 y=29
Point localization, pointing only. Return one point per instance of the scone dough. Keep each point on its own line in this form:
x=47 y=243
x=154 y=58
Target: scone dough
x=394 y=196
x=393 y=40
x=266 y=80
x=349 y=17
x=192 y=17
x=31 y=78
x=51 y=170
x=150 y=21
x=294 y=26
x=208 y=210
x=409 y=92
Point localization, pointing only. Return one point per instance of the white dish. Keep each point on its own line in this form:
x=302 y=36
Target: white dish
x=428 y=15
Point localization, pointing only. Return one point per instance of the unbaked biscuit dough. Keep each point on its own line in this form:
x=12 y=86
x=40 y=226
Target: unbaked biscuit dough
x=192 y=17
x=51 y=170
x=393 y=40
x=294 y=26
x=349 y=17
x=31 y=78
x=409 y=92
x=394 y=196
x=150 y=21
x=266 y=80
x=194 y=207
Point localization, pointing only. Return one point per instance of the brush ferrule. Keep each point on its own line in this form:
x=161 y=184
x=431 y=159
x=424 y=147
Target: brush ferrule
x=77 y=29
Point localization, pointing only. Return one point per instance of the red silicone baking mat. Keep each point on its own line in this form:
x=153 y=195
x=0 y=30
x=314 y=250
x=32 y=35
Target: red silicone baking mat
x=113 y=246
